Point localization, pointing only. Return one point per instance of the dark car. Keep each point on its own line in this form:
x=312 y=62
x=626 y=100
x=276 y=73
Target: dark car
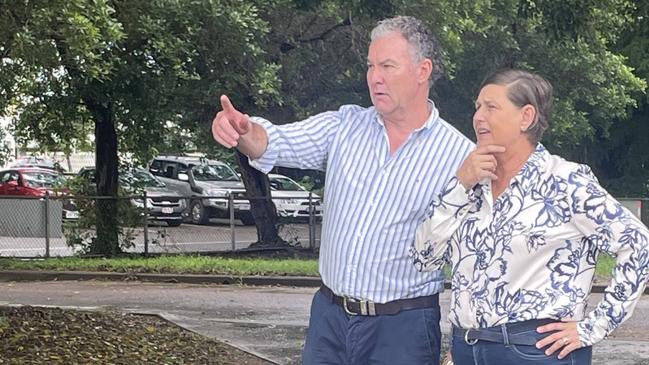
x=30 y=181
x=163 y=204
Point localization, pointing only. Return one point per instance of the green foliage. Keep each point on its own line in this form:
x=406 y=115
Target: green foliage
x=152 y=64
x=81 y=234
x=5 y=153
x=625 y=154
x=571 y=43
x=158 y=68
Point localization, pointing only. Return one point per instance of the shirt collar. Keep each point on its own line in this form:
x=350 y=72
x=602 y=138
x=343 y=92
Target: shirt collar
x=536 y=162
x=432 y=117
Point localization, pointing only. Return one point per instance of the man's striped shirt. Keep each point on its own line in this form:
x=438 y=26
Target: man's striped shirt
x=373 y=201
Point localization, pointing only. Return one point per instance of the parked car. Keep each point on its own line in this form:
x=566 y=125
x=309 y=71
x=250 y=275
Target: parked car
x=31 y=181
x=209 y=183
x=163 y=204
x=292 y=199
x=31 y=161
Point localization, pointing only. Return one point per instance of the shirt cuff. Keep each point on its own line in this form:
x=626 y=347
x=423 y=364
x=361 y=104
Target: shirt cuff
x=593 y=328
x=267 y=161
x=456 y=196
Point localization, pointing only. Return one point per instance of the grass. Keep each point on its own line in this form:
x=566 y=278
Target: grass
x=605 y=264
x=172 y=264
x=203 y=265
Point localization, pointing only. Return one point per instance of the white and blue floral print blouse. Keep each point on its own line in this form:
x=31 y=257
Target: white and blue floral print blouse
x=531 y=254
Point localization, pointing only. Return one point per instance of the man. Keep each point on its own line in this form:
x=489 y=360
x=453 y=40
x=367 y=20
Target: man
x=385 y=164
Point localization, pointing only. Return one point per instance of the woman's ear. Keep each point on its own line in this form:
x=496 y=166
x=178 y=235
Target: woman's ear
x=528 y=117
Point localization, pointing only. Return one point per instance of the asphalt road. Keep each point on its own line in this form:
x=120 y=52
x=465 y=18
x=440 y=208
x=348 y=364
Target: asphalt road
x=269 y=321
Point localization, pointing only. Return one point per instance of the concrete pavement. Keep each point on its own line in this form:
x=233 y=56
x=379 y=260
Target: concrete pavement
x=268 y=321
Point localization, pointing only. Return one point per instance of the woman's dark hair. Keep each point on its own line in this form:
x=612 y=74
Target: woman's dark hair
x=525 y=88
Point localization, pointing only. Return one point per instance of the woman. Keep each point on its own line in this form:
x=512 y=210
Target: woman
x=522 y=229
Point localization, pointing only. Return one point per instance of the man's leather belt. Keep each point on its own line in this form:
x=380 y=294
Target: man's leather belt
x=355 y=307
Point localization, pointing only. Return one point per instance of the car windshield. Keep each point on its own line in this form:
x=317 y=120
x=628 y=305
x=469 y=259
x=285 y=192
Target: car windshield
x=214 y=173
x=139 y=178
x=282 y=183
x=42 y=179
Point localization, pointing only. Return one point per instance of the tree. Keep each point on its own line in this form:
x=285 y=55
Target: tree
x=321 y=47
x=127 y=67
x=572 y=43
x=626 y=164
x=4 y=149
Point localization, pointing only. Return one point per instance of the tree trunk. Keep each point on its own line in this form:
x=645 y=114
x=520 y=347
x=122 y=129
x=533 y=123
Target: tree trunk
x=106 y=162
x=261 y=205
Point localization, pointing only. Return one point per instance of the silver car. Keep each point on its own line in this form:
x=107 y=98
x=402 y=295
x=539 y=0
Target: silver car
x=207 y=183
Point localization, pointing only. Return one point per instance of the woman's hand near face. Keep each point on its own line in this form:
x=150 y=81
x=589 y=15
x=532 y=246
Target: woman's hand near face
x=480 y=164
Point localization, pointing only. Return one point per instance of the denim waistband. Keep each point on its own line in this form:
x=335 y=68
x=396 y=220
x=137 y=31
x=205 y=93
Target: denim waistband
x=517 y=333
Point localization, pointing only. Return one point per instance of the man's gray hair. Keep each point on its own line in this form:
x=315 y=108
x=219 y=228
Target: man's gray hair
x=526 y=88
x=423 y=43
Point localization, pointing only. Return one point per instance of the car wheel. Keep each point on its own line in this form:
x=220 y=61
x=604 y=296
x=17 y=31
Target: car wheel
x=247 y=219
x=198 y=215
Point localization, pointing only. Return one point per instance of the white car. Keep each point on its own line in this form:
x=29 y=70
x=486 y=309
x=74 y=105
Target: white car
x=291 y=199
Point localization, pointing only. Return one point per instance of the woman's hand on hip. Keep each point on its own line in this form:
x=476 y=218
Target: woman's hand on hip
x=565 y=338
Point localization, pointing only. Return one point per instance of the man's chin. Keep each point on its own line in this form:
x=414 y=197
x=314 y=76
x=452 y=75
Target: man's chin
x=382 y=109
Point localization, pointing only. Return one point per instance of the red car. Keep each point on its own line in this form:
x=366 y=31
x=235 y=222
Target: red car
x=30 y=181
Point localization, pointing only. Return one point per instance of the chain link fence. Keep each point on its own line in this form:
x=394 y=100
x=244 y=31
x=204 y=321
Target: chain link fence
x=67 y=225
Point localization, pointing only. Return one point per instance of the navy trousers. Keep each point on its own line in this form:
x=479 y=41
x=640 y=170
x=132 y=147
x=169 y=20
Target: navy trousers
x=494 y=353
x=336 y=338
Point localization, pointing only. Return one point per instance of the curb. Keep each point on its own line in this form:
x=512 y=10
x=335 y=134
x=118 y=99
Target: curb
x=297 y=281
x=29 y=275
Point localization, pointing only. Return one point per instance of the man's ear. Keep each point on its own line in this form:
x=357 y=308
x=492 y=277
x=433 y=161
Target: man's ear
x=425 y=70
x=528 y=117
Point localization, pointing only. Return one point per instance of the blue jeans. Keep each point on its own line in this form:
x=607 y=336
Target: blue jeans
x=494 y=353
x=336 y=338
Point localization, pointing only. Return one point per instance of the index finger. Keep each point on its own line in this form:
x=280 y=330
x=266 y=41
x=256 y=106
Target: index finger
x=227 y=105
x=555 y=326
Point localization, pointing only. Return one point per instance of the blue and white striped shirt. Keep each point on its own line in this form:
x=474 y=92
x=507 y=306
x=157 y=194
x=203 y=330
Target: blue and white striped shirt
x=373 y=201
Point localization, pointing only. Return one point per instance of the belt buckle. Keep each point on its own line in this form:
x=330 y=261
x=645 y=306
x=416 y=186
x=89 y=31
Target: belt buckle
x=466 y=338
x=366 y=307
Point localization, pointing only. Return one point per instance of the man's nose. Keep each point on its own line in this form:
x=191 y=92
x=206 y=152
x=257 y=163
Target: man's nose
x=374 y=76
